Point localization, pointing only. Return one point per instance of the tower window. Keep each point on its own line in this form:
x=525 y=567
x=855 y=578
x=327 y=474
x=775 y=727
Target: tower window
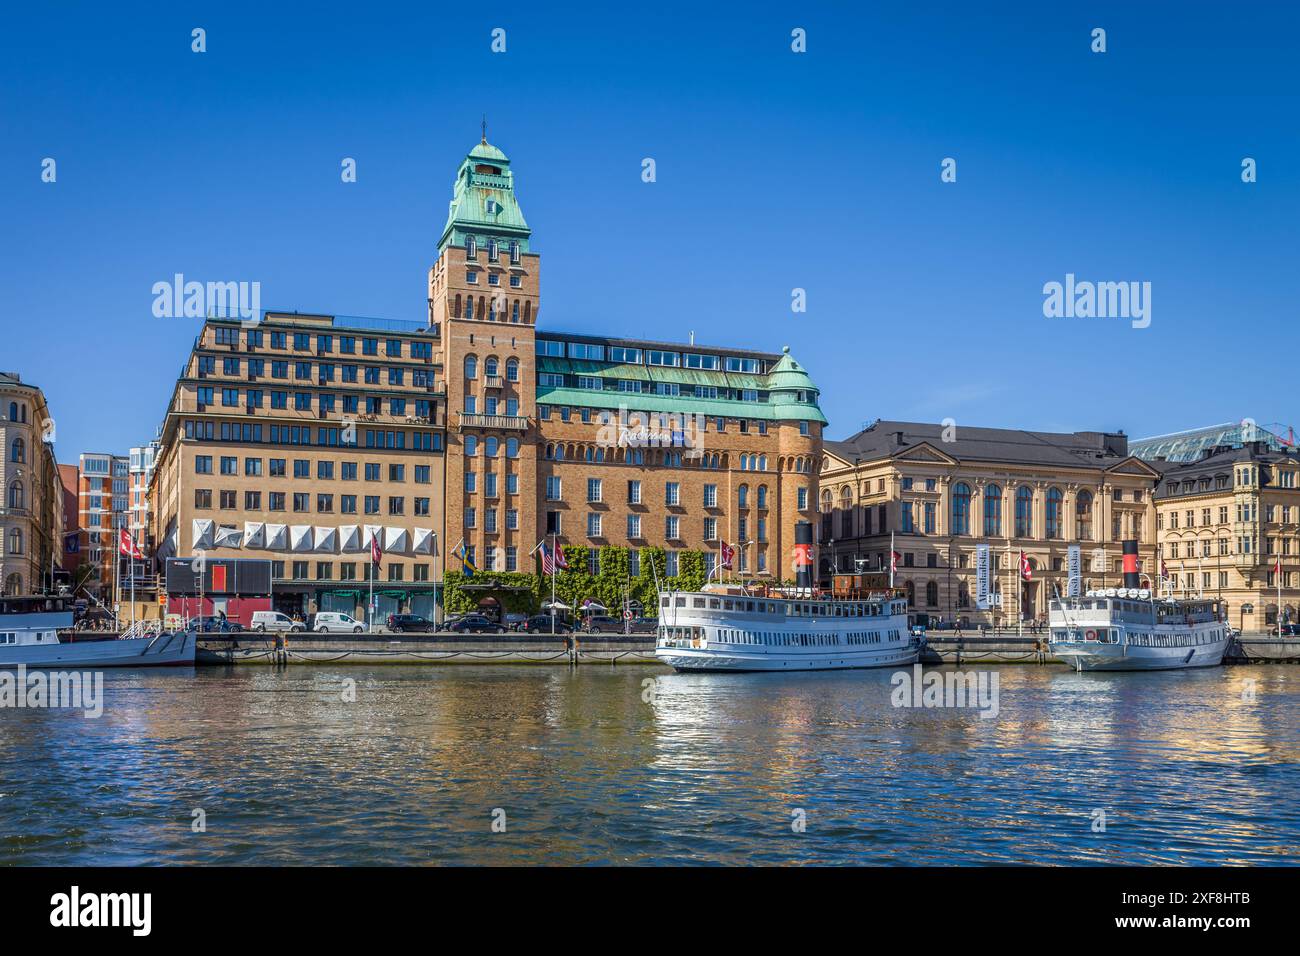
x=514 y=251
x=471 y=248
x=493 y=252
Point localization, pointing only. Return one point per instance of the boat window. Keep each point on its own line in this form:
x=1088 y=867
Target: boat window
x=681 y=602
x=713 y=603
x=697 y=602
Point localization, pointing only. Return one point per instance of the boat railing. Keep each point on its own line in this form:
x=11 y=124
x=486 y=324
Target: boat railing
x=140 y=629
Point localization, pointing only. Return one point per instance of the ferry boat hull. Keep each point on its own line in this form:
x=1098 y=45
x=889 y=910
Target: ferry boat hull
x=32 y=640
x=686 y=659
x=1122 y=657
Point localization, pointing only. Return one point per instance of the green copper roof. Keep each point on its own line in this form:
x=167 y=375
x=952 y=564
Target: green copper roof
x=787 y=374
x=483 y=202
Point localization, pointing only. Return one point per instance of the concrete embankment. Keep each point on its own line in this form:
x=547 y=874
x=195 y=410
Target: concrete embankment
x=422 y=649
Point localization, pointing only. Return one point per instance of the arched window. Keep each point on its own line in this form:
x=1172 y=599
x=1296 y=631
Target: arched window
x=15 y=540
x=16 y=495
x=512 y=370
x=559 y=453
x=762 y=463
x=469 y=307
x=471 y=366
x=490 y=447
x=528 y=313
x=961 y=508
x=1024 y=511
x=13 y=411
x=18 y=451
x=911 y=593
x=742 y=496
x=762 y=496
x=1083 y=516
x=514 y=312
x=1054 y=503
x=490 y=367
x=992 y=511
x=471 y=445
x=512 y=447
x=931 y=593
x=455 y=309
x=963 y=594
x=471 y=247
x=492 y=250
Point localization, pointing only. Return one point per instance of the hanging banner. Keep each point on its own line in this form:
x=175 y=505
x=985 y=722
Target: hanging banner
x=1074 y=584
x=982 y=576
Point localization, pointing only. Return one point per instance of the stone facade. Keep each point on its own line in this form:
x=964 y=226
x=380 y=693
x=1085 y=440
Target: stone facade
x=31 y=506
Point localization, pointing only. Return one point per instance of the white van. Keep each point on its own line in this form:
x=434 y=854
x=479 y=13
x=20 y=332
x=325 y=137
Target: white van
x=336 y=621
x=275 y=621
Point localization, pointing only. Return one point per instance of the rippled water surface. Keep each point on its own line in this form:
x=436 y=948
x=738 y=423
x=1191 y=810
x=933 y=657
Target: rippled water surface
x=591 y=766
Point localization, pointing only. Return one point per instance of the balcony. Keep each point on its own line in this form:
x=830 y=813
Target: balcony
x=494 y=381
x=506 y=422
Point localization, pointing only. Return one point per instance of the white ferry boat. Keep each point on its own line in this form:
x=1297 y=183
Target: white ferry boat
x=29 y=635
x=1128 y=629
x=723 y=628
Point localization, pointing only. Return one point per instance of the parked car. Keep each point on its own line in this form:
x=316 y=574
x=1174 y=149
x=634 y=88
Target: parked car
x=1290 y=630
x=410 y=622
x=276 y=621
x=541 y=624
x=215 y=625
x=602 y=624
x=473 y=624
x=334 y=621
x=644 y=625
x=513 y=621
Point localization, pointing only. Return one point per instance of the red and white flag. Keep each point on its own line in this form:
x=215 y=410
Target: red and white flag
x=1164 y=569
x=560 y=561
x=376 y=552
x=728 y=554
x=548 y=562
x=1277 y=565
x=1026 y=571
x=126 y=545
x=893 y=562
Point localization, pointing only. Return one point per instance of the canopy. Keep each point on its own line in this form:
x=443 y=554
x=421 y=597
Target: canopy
x=201 y=534
x=395 y=541
x=425 y=541
x=326 y=539
x=277 y=537
x=557 y=605
x=300 y=537
x=228 y=537
x=349 y=538
x=593 y=605
x=254 y=534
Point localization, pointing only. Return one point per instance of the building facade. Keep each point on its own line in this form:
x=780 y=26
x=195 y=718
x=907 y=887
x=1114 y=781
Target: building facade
x=102 y=497
x=943 y=490
x=73 y=536
x=297 y=438
x=285 y=437
x=1225 y=521
x=31 y=510
x=596 y=441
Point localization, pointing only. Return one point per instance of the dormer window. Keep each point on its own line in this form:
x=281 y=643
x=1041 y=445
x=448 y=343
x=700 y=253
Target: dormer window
x=471 y=247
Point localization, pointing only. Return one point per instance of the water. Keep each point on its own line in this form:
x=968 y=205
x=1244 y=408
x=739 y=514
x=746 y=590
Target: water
x=708 y=771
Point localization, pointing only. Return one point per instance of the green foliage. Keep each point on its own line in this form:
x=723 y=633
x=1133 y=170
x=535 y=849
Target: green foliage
x=690 y=572
x=456 y=600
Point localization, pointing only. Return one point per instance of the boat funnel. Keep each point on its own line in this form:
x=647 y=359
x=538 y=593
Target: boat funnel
x=1131 y=578
x=803 y=554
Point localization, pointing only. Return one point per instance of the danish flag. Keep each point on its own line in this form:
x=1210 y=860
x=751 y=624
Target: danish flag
x=1277 y=565
x=893 y=561
x=728 y=554
x=126 y=545
x=560 y=561
x=1026 y=571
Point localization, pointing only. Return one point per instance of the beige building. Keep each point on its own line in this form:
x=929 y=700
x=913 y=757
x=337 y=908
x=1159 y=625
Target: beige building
x=942 y=491
x=294 y=439
x=1224 y=521
x=31 y=510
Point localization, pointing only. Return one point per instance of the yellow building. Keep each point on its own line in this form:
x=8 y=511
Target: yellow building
x=31 y=509
x=1224 y=521
x=943 y=490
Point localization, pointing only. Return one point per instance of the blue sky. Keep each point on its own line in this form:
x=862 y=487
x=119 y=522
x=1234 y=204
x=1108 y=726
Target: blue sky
x=775 y=170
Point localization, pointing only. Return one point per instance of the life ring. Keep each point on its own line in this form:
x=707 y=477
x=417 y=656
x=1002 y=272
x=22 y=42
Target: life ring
x=1089 y=635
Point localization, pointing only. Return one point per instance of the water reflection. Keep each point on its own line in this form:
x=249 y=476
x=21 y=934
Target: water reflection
x=408 y=765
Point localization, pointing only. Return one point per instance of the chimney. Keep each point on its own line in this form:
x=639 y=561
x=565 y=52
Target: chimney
x=1131 y=577
x=898 y=438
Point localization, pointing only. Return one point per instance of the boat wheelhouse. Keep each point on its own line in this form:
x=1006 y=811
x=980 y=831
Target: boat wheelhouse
x=29 y=636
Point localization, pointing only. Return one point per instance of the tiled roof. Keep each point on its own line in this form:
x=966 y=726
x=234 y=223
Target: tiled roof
x=885 y=439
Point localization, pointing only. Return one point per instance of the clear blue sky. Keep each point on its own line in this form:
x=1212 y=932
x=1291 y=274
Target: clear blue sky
x=775 y=171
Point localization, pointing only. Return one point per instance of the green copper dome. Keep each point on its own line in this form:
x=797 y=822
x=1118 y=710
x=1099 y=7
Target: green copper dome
x=483 y=202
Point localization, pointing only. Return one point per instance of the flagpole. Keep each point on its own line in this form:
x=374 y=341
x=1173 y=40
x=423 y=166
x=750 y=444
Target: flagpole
x=891 y=560
x=133 y=581
x=1277 y=574
x=1020 y=597
x=553 y=572
x=117 y=578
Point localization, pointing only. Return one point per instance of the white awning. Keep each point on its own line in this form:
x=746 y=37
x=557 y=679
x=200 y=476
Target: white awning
x=425 y=542
x=372 y=531
x=300 y=537
x=277 y=537
x=326 y=539
x=254 y=534
x=229 y=537
x=395 y=541
x=201 y=534
x=349 y=538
